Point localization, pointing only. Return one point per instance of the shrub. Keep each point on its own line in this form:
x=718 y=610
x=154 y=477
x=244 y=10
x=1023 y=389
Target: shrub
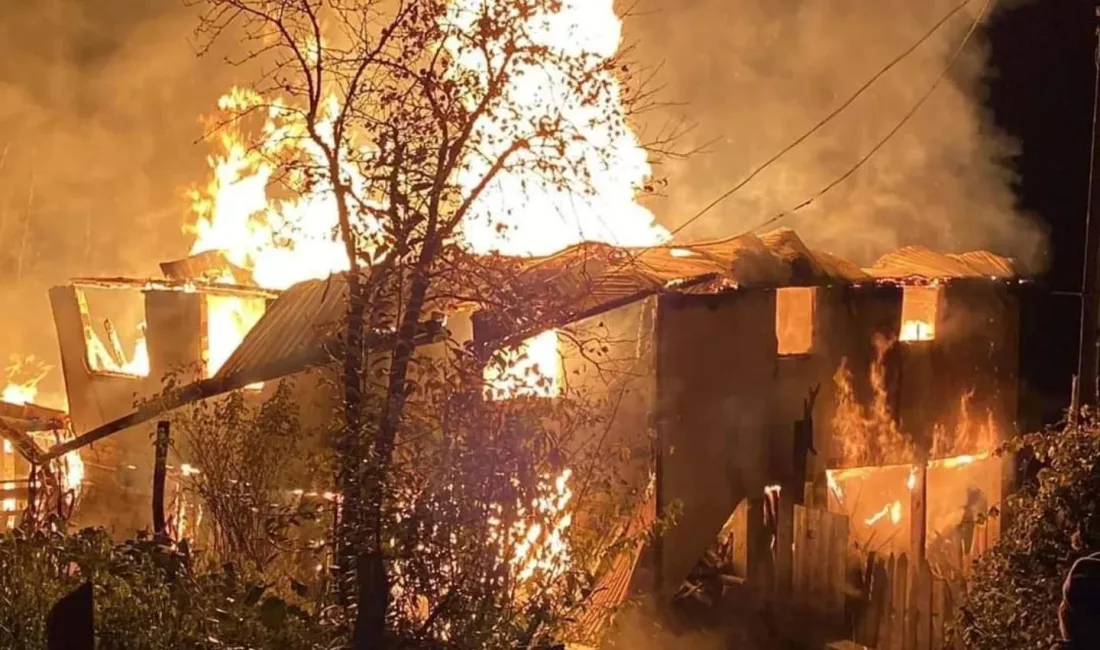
x=147 y=596
x=1013 y=598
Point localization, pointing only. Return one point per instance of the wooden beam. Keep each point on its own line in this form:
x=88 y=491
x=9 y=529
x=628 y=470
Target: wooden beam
x=160 y=472
x=21 y=442
x=207 y=388
x=191 y=286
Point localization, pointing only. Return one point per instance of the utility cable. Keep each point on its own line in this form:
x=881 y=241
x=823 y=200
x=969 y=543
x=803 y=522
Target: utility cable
x=832 y=115
x=894 y=131
x=634 y=255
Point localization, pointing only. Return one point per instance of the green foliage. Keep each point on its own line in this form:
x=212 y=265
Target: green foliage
x=1016 y=589
x=255 y=465
x=147 y=597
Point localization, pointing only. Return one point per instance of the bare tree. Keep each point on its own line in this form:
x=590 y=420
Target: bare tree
x=409 y=114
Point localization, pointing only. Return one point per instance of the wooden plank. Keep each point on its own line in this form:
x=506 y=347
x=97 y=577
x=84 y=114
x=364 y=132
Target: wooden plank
x=739 y=527
x=921 y=608
x=938 y=622
x=784 y=555
x=838 y=566
x=798 y=559
x=880 y=601
x=886 y=617
x=899 y=609
x=816 y=562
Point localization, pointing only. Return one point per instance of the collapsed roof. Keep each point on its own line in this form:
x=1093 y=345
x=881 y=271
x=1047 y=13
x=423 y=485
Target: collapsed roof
x=596 y=277
x=597 y=274
x=301 y=325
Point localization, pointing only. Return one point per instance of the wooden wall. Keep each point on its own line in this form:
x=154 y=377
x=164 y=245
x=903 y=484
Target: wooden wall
x=715 y=377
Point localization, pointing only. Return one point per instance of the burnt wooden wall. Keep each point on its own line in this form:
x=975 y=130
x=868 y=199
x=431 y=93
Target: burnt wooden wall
x=976 y=348
x=715 y=376
x=847 y=319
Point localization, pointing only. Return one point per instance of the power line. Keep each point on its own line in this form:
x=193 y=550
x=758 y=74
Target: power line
x=817 y=127
x=828 y=118
x=875 y=149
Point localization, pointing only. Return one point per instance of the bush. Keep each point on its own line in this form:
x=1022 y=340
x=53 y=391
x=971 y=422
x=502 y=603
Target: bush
x=147 y=596
x=1014 y=595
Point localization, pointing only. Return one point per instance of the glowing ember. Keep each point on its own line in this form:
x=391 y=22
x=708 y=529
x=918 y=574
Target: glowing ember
x=911 y=482
x=541 y=546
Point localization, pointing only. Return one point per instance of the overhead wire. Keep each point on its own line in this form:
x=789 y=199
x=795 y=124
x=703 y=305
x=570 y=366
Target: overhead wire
x=828 y=118
x=892 y=132
x=634 y=255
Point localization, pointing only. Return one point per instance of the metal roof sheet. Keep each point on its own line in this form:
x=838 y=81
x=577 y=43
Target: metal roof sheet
x=591 y=276
x=295 y=326
x=920 y=262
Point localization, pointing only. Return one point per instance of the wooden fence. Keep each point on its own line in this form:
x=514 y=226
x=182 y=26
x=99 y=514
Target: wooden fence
x=886 y=603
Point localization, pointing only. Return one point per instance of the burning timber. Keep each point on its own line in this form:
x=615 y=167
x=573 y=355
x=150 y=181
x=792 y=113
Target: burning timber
x=714 y=351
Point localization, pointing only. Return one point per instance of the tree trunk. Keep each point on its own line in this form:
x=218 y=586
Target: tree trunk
x=373 y=582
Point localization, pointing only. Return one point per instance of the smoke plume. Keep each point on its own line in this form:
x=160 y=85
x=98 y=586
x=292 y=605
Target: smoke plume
x=99 y=106
x=754 y=75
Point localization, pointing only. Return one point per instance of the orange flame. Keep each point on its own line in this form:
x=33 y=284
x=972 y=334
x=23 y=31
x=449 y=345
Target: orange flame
x=893 y=510
x=868 y=435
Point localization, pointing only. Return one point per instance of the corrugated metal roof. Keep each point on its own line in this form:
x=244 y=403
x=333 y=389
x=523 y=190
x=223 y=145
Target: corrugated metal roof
x=920 y=262
x=591 y=276
x=295 y=326
x=614 y=587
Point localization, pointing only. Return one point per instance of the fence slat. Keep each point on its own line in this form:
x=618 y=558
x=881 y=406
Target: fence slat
x=899 y=609
x=886 y=617
x=939 y=604
x=922 y=608
x=838 y=565
x=784 y=541
x=798 y=561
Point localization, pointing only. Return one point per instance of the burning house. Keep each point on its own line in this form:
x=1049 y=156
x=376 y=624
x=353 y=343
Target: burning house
x=742 y=368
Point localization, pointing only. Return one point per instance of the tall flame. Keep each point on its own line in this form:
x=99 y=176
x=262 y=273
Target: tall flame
x=867 y=432
x=523 y=213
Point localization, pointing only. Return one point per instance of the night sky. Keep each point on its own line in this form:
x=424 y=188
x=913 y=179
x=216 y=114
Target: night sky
x=1040 y=91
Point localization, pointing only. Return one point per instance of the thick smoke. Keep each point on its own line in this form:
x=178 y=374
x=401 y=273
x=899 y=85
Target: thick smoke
x=753 y=75
x=99 y=106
